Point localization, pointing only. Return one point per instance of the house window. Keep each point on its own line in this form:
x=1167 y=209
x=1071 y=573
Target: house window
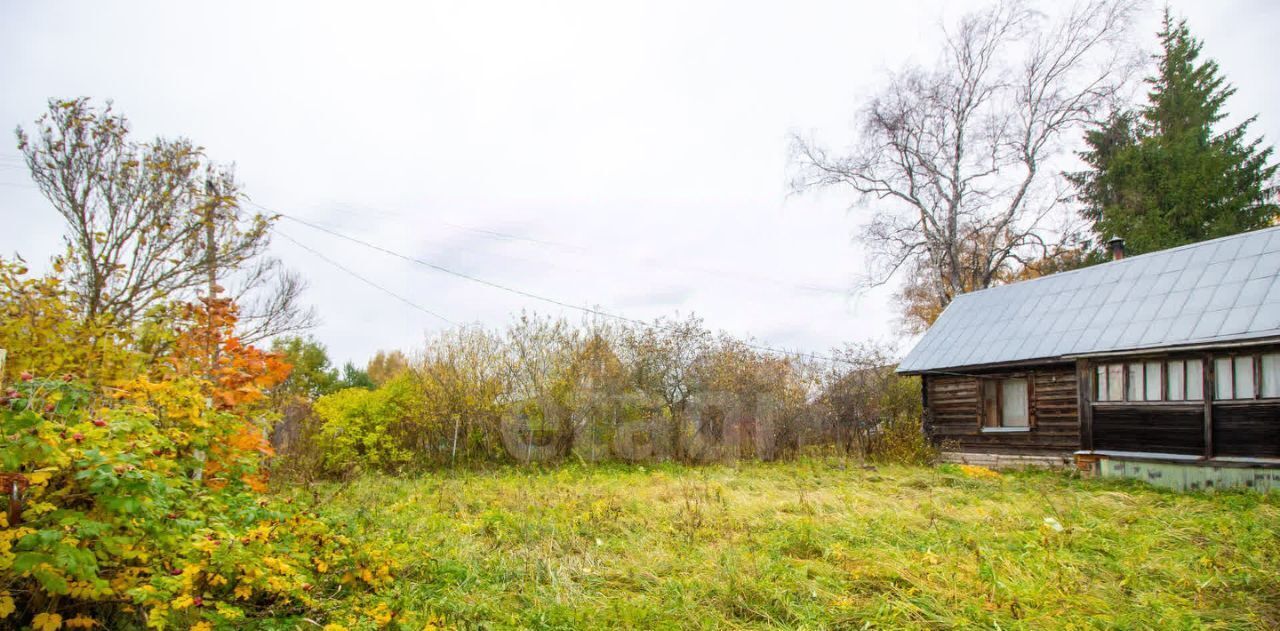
x=1195 y=380
x=1242 y=378
x=1223 y=379
x=1270 y=375
x=1111 y=382
x=1136 y=383
x=1184 y=380
x=1177 y=380
x=1151 y=385
x=1173 y=380
x=1005 y=404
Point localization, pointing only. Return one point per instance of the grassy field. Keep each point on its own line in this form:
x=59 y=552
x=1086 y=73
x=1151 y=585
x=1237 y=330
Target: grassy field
x=815 y=544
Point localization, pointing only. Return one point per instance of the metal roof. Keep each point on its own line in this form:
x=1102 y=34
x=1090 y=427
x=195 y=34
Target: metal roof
x=1222 y=290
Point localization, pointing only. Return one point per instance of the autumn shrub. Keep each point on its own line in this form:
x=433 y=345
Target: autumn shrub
x=114 y=525
x=134 y=496
x=44 y=335
x=866 y=410
x=371 y=429
x=899 y=437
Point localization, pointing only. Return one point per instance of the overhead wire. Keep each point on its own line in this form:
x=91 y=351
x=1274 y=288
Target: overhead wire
x=363 y=279
x=579 y=250
x=527 y=294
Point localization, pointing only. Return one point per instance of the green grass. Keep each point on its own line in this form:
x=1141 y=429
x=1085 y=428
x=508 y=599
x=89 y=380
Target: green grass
x=816 y=544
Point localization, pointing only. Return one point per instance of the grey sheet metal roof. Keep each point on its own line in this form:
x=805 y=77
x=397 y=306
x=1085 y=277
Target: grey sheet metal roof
x=1215 y=291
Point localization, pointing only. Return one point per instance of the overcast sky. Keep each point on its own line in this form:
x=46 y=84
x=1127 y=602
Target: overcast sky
x=639 y=150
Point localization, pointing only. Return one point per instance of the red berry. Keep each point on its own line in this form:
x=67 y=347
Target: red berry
x=176 y=571
x=158 y=452
x=12 y=394
x=79 y=437
x=26 y=376
x=67 y=377
x=99 y=422
x=49 y=407
x=198 y=601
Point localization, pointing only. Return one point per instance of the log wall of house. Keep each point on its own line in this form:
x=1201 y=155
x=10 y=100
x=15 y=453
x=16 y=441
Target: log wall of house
x=1166 y=429
x=1247 y=429
x=953 y=416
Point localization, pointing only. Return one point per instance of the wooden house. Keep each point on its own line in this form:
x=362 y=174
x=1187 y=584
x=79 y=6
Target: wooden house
x=1164 y=366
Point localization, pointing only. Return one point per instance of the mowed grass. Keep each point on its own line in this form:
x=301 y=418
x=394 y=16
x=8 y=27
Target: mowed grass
x=817 y=544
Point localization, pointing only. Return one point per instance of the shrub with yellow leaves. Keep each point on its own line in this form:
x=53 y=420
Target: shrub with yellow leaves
x=146 y=507
x=115 y=525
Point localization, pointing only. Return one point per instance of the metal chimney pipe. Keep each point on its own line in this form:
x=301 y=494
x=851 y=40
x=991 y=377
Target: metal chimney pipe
x=1116 y=245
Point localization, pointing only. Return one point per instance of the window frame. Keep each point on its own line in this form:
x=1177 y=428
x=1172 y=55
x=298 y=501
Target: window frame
x=1256 y=376
x=1137 y=368
x=1261 y=375
x=998 y=385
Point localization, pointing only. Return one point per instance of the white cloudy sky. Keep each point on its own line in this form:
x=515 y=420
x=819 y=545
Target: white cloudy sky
x=639 y=148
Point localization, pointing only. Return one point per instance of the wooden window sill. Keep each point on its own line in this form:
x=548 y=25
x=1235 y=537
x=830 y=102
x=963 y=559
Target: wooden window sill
x=1005 y=430
x=1230 y=402
x=1154 y=404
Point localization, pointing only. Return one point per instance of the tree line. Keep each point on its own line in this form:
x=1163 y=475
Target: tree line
x=547 y=390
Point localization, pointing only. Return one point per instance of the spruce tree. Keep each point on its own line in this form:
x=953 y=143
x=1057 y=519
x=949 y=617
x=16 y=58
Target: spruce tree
x=1162 y=177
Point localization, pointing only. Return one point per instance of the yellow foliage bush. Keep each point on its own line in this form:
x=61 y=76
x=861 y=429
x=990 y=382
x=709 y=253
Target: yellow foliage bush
x=140 y=490
x=44 y=336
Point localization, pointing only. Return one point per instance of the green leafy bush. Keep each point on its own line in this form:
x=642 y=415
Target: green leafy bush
x=375 y=429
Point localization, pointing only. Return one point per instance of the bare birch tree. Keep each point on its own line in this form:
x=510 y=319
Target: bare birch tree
x=956 y=159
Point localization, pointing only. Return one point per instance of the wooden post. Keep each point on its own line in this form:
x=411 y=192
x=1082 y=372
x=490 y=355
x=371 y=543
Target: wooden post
x=925 y=417
x=1084 y=402
x=1031 y=399
x=1209 y=379
x=211 y=272
x=211 y=265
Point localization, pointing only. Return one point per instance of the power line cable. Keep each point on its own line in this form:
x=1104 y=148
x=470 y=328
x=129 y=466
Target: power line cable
x=651 y=261
x=363 y=279
x=580 y=250
x=521 y=292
